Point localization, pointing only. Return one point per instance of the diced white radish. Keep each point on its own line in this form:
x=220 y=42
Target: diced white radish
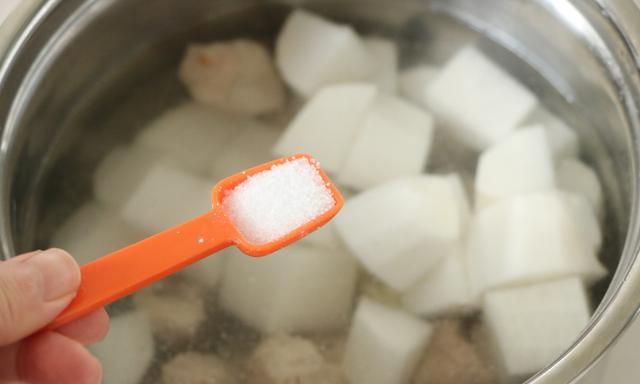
x=196 y=368
x=452 y=358
x=208 y=271
x=586 y=218
x=93 y=231
x=458 y=189
x=127 y=350
x=384 y=345
x=479 y=101
x=533 y=325
x=445 y=290
x=577 y=177
x=394 y=141
x=519 y=164
x=248 y=149
x=191 y=134
x=413 y=83
x=563 y=138
x=312 y=52
x=165 y=197
x=237 y=76
x=121 y=171
x=272 y=294
x=529 y=239
x=174 y=307
x=284 y=359
x=400 y=242
x=328 y=124
x=324 y=237
x=384 y=55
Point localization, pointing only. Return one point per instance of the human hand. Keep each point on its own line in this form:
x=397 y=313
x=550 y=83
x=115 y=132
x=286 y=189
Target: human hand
x=34 y=289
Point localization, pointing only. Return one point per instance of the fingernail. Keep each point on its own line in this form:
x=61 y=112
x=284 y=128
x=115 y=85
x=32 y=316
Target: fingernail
x=60 y=273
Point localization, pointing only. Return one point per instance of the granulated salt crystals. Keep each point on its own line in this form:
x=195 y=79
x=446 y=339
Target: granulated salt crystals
x=273 y=203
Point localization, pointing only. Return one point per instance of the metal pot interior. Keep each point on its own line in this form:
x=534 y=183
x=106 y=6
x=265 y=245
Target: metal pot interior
x=92 y=73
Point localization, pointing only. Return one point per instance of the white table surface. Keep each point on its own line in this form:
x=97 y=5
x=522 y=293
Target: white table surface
x=620 y=366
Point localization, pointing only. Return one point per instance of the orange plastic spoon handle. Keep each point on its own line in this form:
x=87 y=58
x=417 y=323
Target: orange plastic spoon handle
x=123 y=272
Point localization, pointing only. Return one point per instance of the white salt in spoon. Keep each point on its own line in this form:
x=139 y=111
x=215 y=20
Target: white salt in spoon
x=259 y=210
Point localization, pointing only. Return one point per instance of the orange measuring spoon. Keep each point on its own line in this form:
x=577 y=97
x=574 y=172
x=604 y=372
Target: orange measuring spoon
x=127 y=270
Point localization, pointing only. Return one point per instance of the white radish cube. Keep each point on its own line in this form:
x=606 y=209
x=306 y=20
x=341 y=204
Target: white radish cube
x=479 y=101
x=384 y=54
x=312 y=52
x=328 y=124
x=248 y=149
x=273 y=293
x=562 y=138
x=191 y=134
x=522 y=163
x=121 y=171
x=394 y=141
x=208 y=271
x=127 y=351
x=401 y=229
x=324 y=237
x=282 y=359
x=166 y=197
x=445 y=290
x=384 y=345
x=93 y=231
x=586 y=218
x=413 y=83
x=457 y=186
x=197 y=368
x=529 y=239
x=174 y=307
x=577 y=177
x=237 y=76
x=533 y=325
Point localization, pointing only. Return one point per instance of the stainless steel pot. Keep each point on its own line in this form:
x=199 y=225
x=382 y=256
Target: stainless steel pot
x=82 y=75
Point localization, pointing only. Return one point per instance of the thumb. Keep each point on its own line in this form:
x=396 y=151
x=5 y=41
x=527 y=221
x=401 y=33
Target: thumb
x=34 y=288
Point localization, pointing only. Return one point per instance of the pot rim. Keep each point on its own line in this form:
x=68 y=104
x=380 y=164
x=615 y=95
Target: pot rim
x=620 y=305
